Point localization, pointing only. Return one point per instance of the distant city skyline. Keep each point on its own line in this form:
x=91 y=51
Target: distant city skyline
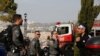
x=48 y=11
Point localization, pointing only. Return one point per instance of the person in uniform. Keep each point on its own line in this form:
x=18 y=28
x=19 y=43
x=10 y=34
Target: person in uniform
x=34 y=48
x=53 y=44
x=81 y=40
x=17 y=37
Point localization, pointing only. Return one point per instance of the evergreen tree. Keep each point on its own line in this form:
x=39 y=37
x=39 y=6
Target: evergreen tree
x=88 y=13
x=8 y=7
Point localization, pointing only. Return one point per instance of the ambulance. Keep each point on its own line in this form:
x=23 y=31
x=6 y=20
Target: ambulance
x=65 y=33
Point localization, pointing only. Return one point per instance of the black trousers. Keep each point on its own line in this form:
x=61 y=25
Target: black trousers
x=83 y=52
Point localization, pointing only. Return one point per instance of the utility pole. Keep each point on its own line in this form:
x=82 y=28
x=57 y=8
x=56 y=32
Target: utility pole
x=25 y=26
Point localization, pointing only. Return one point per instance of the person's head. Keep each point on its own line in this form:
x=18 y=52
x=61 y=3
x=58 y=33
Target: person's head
x=55 y=34
x=81 y=29
x=37 y=34
x=17 y=19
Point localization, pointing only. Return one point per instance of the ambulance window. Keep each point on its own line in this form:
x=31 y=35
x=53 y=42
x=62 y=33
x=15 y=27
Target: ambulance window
x=97 y=32
x=62 y=30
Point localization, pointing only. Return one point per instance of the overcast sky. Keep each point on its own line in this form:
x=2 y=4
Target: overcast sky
x=49 y=10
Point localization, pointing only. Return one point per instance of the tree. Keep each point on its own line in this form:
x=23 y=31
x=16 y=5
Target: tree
x=8 y=7
x=88 y=13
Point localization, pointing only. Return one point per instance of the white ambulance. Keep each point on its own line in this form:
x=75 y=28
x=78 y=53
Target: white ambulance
x=65 y=33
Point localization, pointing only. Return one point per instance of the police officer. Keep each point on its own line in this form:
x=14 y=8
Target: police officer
x=82 y=39
x=17 y=37
x=53 y=44
x=34 y=48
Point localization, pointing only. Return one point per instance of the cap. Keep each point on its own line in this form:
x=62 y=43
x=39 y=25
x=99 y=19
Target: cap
x=81 y=26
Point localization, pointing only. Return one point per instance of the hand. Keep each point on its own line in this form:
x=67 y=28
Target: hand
x=77 y=39
x=62 y=45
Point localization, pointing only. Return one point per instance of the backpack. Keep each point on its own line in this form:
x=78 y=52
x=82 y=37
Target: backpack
x=6 y=37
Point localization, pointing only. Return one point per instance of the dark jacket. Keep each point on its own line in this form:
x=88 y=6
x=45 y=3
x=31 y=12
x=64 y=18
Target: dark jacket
x=83 y=40
x=6 y=37
x=17 y=36
x=34 y=48
x=53 y=46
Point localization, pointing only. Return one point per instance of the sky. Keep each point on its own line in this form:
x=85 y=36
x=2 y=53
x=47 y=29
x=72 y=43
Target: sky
x=47 y=11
